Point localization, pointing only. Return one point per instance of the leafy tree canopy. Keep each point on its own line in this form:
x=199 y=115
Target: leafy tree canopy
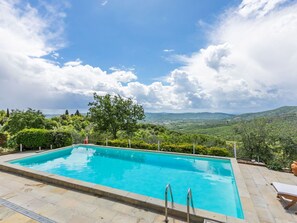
x=114 y=113
x=2 y=117
x=19 y=120
x=255 y=138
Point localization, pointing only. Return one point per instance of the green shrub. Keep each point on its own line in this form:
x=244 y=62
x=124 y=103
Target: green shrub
x=61 y=138
x=275 y=165
x=3 y=139
x=179 y=148
x=118 y=143
x=143 y=145
x=35 y=138
x=215 y=151
x=199 y=149
x=11 y=143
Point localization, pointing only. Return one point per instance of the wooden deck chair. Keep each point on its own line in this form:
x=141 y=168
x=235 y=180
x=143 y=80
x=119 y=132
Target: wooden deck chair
x=286 y=192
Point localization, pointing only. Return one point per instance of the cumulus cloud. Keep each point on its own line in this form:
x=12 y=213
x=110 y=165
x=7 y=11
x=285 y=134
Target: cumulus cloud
x=258 y=8
x=250 y=63
x=30 y=80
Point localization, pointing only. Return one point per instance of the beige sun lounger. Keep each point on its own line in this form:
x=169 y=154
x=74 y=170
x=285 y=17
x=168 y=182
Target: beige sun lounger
x=286 y=191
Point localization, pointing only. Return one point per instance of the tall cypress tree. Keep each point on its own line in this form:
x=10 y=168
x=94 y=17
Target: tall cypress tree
x=77 y=113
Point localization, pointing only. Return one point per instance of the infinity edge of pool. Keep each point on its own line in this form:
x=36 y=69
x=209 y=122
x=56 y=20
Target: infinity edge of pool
x=132 y=198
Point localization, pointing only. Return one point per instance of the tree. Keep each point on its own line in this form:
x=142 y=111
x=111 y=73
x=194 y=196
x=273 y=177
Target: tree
x=2 y=117
x=77 y=113
x=20 y=120
x=114 y=113
x=287 y=147
x=7 y=113
x=66 y=112
x=255 y=137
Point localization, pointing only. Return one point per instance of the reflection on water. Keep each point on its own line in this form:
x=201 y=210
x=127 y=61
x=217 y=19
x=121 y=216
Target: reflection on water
x=79 y=157
x=77 y=160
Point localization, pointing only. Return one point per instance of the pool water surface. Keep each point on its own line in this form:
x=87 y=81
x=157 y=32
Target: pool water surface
x=147 y=173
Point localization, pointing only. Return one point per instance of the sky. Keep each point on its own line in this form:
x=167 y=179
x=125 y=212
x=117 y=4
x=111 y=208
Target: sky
x=169 y=56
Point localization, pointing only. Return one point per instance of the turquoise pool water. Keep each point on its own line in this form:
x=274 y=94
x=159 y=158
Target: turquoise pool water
x=147 y=173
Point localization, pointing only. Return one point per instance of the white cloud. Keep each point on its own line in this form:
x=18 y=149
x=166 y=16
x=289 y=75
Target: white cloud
x=168 y=50
x=258 y=7
x=250 y=63
x=103 y=3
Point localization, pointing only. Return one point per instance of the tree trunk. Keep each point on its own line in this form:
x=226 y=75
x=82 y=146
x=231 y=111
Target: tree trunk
x=114 y=133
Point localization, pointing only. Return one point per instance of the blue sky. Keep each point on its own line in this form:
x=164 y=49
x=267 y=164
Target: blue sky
x=170 y=56
x=140 y=36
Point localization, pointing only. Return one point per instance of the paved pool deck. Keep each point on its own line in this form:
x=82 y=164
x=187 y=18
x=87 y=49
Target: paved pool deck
x=63 y=205
x=269 y=208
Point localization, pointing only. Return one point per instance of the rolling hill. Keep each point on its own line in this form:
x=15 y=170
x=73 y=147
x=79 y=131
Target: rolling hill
x=222 y=124
x=204 y=117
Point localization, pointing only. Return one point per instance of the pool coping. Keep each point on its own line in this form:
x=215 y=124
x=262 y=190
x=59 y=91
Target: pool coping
x=154 y=204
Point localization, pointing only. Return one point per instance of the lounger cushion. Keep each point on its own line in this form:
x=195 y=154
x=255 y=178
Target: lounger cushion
x=285 y=189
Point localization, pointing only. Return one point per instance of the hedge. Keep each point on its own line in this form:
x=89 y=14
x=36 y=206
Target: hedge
x=35 y=138
x=3 y=139
x=180 y=148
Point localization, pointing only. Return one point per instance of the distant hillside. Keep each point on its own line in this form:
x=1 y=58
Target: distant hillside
x=279 y=112
x=180 y=117
x=221 y=124
x=211 y=117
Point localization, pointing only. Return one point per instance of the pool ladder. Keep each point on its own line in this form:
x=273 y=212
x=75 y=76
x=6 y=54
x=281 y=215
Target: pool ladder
x=168 y=187
x=189 y=200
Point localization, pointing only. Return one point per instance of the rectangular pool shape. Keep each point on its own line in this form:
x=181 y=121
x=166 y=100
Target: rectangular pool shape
x=147 y=173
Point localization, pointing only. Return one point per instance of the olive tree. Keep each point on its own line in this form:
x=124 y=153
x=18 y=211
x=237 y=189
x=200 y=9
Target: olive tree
x=255 y=138
x=19 y=120
x=113 y=113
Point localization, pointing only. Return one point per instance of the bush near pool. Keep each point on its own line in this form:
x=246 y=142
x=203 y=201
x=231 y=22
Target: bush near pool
x=3 y=139
x=35 y=138
x=180 y=148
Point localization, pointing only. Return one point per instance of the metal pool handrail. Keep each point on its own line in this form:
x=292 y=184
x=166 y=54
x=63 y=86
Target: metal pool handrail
x=189 y=198
x=166 y=201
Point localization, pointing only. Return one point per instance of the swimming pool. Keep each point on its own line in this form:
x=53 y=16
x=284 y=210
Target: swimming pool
x=147 y=173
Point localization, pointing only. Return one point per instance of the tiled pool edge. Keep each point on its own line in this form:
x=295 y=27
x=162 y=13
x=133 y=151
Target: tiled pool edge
x=248 y=208
x=140 y=200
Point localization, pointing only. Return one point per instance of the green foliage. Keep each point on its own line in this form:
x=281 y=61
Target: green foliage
x=215 y=151
x=61 y=138
x=114 y=113
x=33 y=138
x=3 y=117
x=11 y=142
x=153 y=133
x=277 y=164
x=77 y=113
x=3 y=139
x=179 y=148
x=20 y=120
x=255 y=138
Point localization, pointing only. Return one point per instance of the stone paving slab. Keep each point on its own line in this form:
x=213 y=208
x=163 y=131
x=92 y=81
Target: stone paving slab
x=8 y=216
x=268 y=207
